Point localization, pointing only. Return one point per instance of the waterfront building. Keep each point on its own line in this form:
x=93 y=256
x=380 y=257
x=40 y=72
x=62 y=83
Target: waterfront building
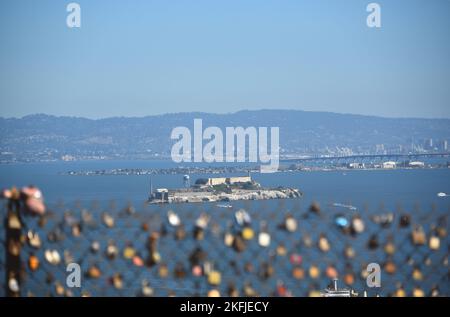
x=416 y=164
x=213 y=181
x=389 y=164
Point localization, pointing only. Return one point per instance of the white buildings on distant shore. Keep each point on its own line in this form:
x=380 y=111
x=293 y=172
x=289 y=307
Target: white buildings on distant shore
x=68 y=158
x=416 y=164
x=355 y=165
x=389 y=165
x=412 y=164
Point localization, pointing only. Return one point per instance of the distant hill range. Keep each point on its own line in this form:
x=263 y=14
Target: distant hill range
x=44 y=137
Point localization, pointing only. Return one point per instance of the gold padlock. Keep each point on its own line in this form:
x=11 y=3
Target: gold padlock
x=434 y=243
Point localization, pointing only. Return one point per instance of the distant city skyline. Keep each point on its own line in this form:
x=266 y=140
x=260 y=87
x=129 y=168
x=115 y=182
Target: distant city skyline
x=143 y=58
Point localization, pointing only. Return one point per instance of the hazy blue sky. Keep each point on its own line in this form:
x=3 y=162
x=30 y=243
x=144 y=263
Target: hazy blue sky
x=136 y=58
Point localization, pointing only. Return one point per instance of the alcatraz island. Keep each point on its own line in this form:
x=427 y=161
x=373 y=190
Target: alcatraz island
x=220 y=189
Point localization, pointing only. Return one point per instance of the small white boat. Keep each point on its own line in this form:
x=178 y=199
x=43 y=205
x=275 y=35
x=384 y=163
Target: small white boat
x=441 y=194
x=224 y=206
x=345 y=206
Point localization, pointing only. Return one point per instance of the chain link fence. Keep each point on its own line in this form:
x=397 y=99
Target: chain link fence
x=255 y=248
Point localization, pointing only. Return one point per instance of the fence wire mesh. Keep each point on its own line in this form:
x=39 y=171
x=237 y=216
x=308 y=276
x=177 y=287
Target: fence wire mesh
x=274 y=248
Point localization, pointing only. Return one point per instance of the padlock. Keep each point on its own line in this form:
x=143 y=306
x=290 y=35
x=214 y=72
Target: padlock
x=266 y=270
x=281 y=250
x=248 y=267
x=213 y=293
x=364 y=273
x=146 y=290
x=145 y=226
x=373 y=242
x=13 y=221
x=242 y=218
x=111 y=251
x=400 y=292
x=128 y=252
x=117 y=281
x=94 y=272
x=357 y=225
x=298 y=273
x=163 y=271
x=417 y=274
x=137 y=260
x=179 y=271
x=52 y=257
x=323 y=244
x=228 y=239
x=247 y=233
x=249 y=291
x=441 y=232
x=156 y=257
x=290 y=223
x=232 y=291
x=33 y=239
x=418 y=236
x=33 y=262
x=214 y=278
x=314 y=271
x=342 y=222
x=180 y=233
x=238 y=244
x=315 y=207
x=331 y=272
x=202 y=221
x=389 y=248
x=108 y=220
x=282 y=290
x=207 y=268
x=418 y=292
x=173 y=218
x=434 y=242
x=435 y=292
x=263 y=236
x=349 y=252
x=76 y=230
x=349 y=279
x=68 y=257
x=197 y=256
x=264 y=239
x=295 y=259
x=314 y=293
x=59 y=289
x=307 y=240
x=198 y=233
x=405 y=220
x=14 y=247
x=390 y=267
x=95 y=246
x=197 y=270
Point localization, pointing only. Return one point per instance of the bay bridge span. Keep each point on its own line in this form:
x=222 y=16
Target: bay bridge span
x=363 y=158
